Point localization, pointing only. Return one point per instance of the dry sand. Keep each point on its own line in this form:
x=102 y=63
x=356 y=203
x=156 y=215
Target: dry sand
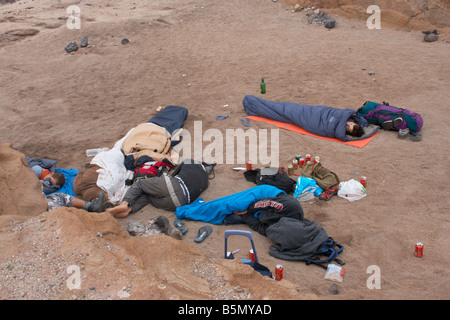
x=205 y=54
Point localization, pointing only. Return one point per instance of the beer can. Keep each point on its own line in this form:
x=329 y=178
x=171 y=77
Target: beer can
x=158 y=110
x=364 y=181
x=298 y=157
x=290 y=169
x=251 y=255
x=301 y=162
x=278 y=272
x=419 y=250
x=308 y=158
x=249 y=165
x=316 y=159
x=295 y=164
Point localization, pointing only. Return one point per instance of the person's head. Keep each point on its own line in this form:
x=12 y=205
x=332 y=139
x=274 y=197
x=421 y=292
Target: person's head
x=56 y=178
x=354 y=129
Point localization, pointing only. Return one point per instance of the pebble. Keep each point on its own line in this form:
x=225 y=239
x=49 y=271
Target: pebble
x=334 y=290
x=124 y=41
x=84 y=42
x=71 y=47
x=431 y=37
x=330 y=24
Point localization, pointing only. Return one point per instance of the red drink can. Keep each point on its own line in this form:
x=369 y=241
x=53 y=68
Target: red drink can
x=249 y=165
x=363 y=181
x=419 y=250
x=278 y=272
x=251 y=255
x=316 y=159
x=301 y=162
x=308 y=157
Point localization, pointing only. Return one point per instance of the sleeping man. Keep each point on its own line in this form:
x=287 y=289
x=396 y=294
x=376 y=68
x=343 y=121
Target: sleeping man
x=342 y=124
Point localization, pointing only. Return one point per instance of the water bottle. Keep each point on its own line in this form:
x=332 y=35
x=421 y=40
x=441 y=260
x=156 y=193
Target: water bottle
x=94 y=152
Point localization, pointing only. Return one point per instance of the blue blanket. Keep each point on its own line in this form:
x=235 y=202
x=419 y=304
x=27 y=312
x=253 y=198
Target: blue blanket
x=216 y=210
x=320 y=120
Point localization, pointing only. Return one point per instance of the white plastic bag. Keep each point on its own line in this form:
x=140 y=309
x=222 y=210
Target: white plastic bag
x=351 y=190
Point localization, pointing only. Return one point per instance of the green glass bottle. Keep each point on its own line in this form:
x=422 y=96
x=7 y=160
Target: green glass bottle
x=263 y=86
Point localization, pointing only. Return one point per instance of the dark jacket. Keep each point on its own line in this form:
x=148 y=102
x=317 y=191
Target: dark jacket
x=265 y=212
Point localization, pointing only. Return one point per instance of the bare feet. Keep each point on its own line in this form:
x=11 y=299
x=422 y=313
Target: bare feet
x=120 y=211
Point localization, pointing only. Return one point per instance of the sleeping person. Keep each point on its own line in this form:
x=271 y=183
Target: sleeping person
x=342 y=124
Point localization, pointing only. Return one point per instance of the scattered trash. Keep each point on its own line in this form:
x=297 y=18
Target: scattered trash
x=419 y=250
x=335 y=273
x=263 y=86
x=239 y=169
x=351 y=190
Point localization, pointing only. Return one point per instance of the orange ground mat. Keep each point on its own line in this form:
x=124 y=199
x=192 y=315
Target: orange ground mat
x=291 y=127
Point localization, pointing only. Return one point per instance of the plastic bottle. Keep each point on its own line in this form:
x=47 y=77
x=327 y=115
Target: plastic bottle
x=263 y=86
x=94 y=152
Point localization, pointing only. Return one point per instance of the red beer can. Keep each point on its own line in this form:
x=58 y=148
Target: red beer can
x=251 y=255
x=301 y=162
x=278 y=272
x=419 y=250
x=364 y=181
x=316 y=159
x=249 y=165
x=308 y=157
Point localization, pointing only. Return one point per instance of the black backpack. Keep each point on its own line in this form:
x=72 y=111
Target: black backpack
x=276 y=177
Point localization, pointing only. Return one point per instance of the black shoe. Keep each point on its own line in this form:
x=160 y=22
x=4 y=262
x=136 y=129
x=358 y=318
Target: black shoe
x=391 y=124
x=98 y=204
x=180 y=225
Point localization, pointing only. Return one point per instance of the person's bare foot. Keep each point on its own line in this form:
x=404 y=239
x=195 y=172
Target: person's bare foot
x=120 y=211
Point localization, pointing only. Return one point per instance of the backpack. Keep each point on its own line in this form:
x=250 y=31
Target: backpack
x=149 y=169
x=376 y=113
x=324 y=177
x=276 y=177
x=326 y=253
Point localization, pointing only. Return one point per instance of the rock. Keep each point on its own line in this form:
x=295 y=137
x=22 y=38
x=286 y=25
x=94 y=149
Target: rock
x=136 y=228
x=330 y=24
x=124 y=41
x=71 y=47
x=84 y=42
x=431 y=37
x=334 y=290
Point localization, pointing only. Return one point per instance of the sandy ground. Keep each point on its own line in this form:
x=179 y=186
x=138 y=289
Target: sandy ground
x=206 y=54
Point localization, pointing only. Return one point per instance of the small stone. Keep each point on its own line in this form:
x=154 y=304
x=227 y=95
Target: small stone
x=330 y=24
x=371 y=73
x=430 y=37
x=334 y=289
x=84 y=42
x=71 y=47
x=124 y=41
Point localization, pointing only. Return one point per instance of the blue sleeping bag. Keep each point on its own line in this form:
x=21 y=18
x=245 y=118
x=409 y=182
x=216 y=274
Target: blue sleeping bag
x=320 y=120
x=216 y=210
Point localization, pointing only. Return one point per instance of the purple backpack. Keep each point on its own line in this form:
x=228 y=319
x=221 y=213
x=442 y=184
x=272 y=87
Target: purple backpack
x=376 y=113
